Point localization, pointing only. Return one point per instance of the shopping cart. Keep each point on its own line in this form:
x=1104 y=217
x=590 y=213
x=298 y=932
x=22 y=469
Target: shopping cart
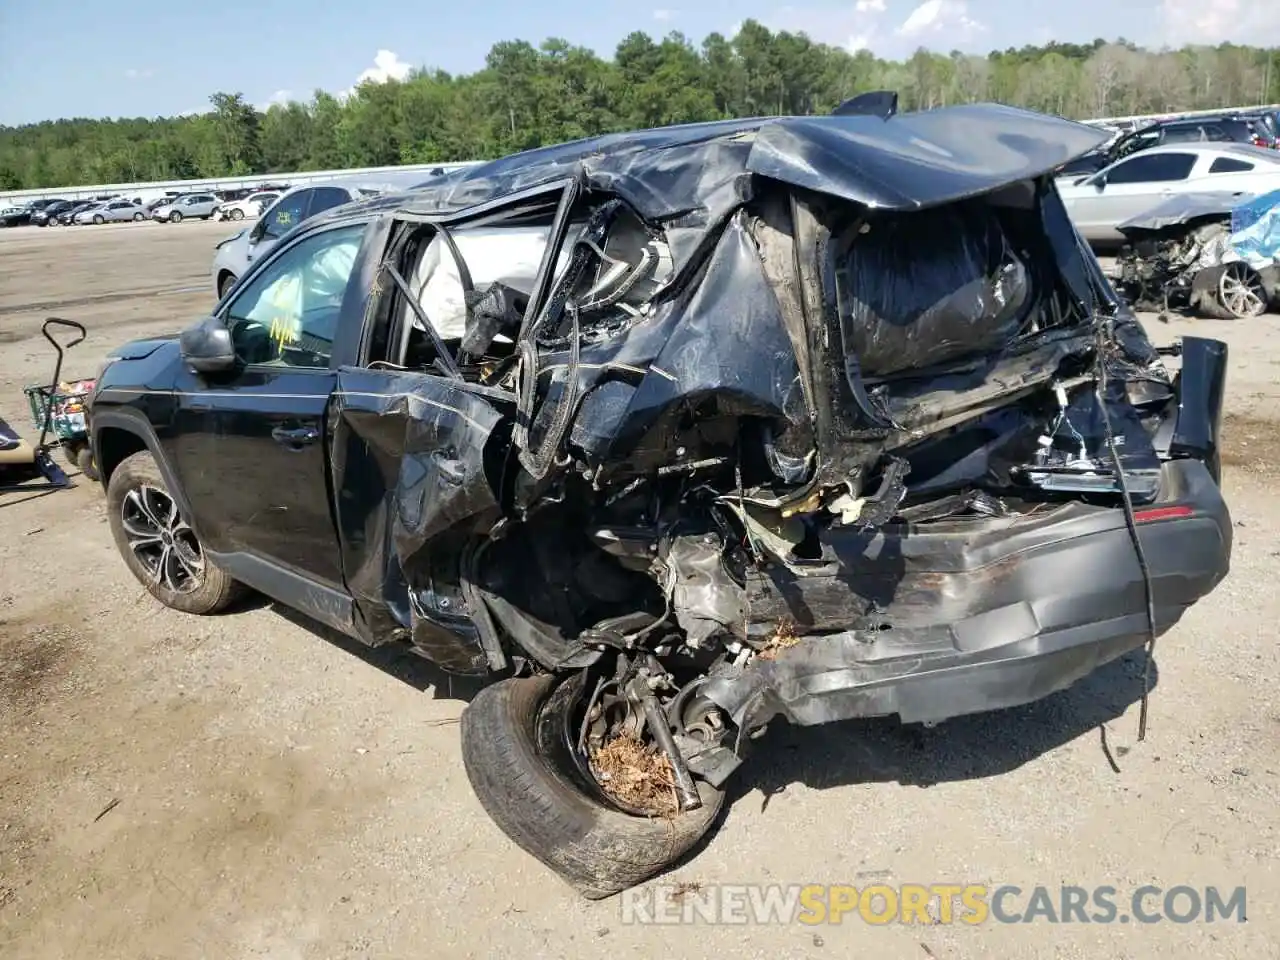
x=58 y=409
x=62 y=407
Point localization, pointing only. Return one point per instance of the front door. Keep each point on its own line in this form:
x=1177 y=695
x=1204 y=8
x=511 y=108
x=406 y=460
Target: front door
x=417 y=458
x=1126 y=190
x=250 y=448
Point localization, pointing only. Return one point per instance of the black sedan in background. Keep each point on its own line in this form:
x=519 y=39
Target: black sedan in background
x=68 y=216
x=48 y=215
x=15 y=216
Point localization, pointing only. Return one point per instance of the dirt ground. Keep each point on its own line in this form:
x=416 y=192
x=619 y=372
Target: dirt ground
x=251 y=786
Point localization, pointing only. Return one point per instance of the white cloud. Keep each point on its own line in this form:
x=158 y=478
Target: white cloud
x=386 y=66
x=1210 y=22
x=663 y=15
x=134 y=73
x=949 y=18
x=280 y=97
x=855 y=29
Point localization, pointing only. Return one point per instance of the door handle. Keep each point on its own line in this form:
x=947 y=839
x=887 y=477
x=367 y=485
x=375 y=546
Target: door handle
x=297 y=437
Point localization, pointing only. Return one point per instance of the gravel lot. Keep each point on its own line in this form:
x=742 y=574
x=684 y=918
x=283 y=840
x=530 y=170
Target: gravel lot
x=278 y=792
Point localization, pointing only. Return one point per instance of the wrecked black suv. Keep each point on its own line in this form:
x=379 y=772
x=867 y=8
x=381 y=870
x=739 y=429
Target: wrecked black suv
x=678 y=431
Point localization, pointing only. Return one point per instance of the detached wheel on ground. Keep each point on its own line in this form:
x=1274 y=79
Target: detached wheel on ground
x=80 y=456
x=158 y=546
x=513 y=750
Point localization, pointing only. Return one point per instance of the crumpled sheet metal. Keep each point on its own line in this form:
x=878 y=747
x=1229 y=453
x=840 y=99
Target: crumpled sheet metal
x=705 y=599
x=916 y=160
x=1180 y=208
x=412 y=455
x=702 y=171
x=724 y=337
x=438 y=432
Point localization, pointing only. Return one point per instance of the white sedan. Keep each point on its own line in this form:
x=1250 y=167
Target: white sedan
x=1098 y=204
x=250 y=206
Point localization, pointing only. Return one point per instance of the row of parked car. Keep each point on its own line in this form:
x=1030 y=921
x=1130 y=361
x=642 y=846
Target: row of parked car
x=173 y=207
x=1259 y=128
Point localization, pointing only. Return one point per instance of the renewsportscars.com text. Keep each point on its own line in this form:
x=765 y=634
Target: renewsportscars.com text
x=934 y=903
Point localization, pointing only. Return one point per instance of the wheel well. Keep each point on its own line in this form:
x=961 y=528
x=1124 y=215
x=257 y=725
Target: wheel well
x=114 y=445
x=222 y=276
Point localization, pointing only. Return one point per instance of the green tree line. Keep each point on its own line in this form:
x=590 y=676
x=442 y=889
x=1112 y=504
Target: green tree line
x=526 y=96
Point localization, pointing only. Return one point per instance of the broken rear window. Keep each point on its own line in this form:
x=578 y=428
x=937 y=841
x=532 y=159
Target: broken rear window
x=916 y=290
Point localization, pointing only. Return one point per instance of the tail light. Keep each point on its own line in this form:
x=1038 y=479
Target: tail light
x=1162 y=513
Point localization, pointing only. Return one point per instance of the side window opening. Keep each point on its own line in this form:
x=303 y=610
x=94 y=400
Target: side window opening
x=487 y=272
x=1229 y=165
x=472 y=285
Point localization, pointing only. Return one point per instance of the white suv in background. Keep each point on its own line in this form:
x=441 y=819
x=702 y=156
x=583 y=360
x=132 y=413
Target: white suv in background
x=233 y=255
x=192 y=205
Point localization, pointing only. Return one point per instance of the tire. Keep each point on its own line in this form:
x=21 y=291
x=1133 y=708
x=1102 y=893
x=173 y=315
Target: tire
x=236 y=214
x=225 y=285
x=135 y=483
x=97 y=219
x=597 y=849
x=138 y=217
x=71 y=451
x=175 y=217
x=87 y=464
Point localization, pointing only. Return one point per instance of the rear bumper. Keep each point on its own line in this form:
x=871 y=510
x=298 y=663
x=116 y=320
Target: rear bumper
x=983 y=616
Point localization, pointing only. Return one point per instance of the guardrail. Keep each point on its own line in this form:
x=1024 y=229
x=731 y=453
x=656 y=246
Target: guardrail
x=1179 y=114
x=17 y=197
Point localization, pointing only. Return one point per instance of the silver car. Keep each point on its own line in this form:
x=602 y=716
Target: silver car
x=199 y=205
x=1099 y=203
x=111 y=211
x=233 y=255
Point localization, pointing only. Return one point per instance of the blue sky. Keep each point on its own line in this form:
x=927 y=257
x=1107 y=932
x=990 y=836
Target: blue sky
x=162 y=57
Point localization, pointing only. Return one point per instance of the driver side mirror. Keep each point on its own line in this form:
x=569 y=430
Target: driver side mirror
x=207 y=346
x=1099 y=181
